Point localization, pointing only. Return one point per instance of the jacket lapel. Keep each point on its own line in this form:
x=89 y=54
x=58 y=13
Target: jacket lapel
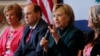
x=32 y=38
x=25 y=35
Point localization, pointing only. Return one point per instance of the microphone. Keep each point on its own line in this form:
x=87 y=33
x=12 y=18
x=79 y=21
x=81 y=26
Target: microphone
x=47 y=32
x=46 y=35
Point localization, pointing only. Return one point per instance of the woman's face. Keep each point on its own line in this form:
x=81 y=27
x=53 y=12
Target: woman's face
x=11 y=17
x=61 y=20
x=90 y=23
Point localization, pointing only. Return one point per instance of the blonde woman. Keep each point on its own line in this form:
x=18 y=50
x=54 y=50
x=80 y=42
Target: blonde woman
x=65 y=39
x=92 y=44
x=11 y=37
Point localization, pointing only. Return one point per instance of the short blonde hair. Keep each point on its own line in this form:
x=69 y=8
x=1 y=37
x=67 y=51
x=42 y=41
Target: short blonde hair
x=95 y=16
x=16 y=8
x=68 y=11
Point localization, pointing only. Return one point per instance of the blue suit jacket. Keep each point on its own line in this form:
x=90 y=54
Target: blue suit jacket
x=32 y=47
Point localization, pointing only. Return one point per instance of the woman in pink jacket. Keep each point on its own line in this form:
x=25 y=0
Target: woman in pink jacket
x=12 y=35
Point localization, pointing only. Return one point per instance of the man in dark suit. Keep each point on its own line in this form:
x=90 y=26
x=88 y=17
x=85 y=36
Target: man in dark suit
x=32 y=15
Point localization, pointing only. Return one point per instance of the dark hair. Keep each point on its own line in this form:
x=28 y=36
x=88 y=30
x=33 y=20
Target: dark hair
x=37 y=8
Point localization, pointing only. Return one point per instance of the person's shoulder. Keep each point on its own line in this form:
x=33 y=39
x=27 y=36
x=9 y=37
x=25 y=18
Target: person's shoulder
x=75 y=29
x=42 y=22
x=4 y=31
x=7 y=28
x=26 y=27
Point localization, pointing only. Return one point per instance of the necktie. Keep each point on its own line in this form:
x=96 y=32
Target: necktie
x=29 y=35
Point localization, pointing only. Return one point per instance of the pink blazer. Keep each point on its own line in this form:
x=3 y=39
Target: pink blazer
x=14 y=43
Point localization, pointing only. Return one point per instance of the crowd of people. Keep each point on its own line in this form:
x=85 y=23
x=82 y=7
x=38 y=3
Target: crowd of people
x=38 y=38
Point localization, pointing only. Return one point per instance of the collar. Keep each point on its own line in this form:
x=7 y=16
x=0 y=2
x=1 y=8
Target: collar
x=33 y=27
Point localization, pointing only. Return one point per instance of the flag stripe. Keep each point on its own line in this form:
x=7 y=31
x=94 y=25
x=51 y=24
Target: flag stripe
x=44 y=11
x=50 y=4
x=34 y=1
x=48 y=11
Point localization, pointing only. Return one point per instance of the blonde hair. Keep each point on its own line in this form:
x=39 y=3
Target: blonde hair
x=67 y=9
x=95 y=16
x=16 y=8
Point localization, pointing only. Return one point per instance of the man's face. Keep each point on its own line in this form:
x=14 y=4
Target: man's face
x=30 y=16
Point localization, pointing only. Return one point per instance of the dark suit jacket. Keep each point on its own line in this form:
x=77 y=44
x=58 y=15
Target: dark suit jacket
x=71 y=40
x=32 y=47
